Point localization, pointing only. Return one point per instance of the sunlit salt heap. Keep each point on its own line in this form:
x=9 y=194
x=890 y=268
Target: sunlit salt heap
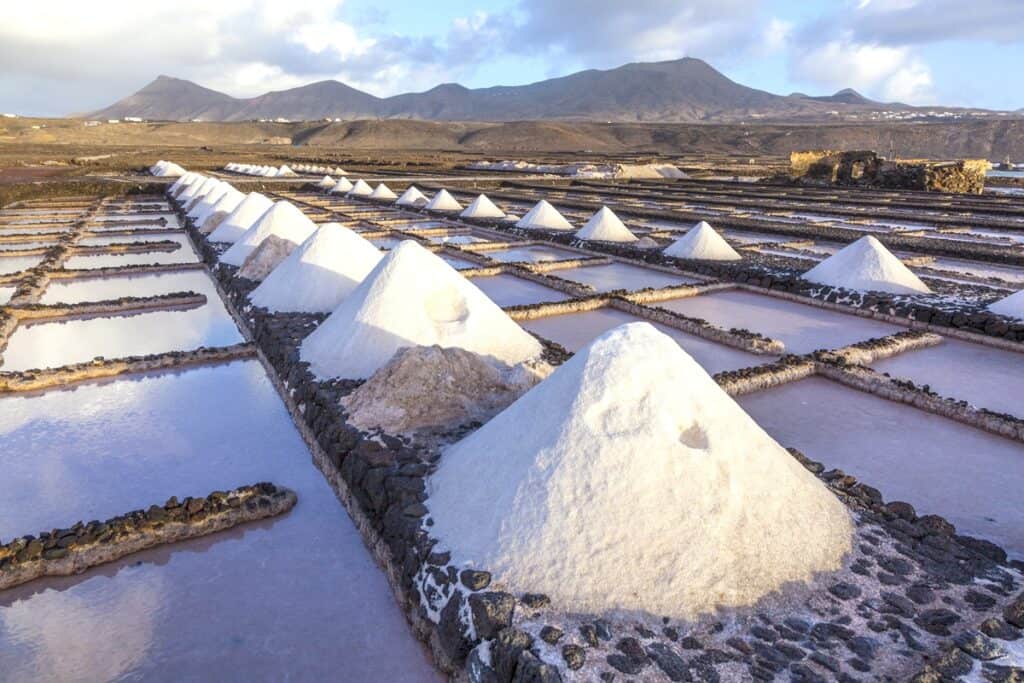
x=209 y=199
x=482 y=207
x=183 y=180
x=189 y=191
x=316 y=277
x=242 y=218
x=1011 y=306
x=286 y=172
x=283 y=219
x=702 y=242
x=605 y=226
x=543 y=216
x=219 y=212
x=195 y=181
x=412 y=298
x=411 y=197
x=638 y=484
x=444 y=201
x=361 y=189
x=207 y=186
x=866 y=265
x=341 y=187
x=326 y=183
x=383 y=192
x=215 y=202
x=167 y=169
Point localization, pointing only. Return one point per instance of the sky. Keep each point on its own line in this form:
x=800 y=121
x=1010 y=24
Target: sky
x=62 y=56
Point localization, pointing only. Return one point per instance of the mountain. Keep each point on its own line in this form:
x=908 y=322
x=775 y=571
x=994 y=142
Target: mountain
x=680 y=90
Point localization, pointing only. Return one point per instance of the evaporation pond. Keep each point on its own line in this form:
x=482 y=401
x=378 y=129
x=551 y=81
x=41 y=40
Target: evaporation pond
x=533 y=254
x=622 y=276
x=800 y=327
x=576 y=330
x=982 y=375
x=293 y=598
x=509 y=290
x=183 y=254
x=942 y=467
x=77 y=290
x=13 y=264
x=52 y=344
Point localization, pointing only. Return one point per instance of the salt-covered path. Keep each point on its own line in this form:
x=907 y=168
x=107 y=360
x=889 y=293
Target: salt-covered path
x=296 y=597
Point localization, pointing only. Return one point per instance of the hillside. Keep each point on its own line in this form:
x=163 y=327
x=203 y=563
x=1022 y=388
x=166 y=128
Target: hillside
x=683 y=90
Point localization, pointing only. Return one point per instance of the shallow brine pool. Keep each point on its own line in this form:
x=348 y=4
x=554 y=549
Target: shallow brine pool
x=13 y=264
x=107 y=288
x=297 y=597
x=800 y=327
x=509 y=290
x=184 y=254
x=576 y=330
x=942 y=467
x=622 y=276
x=533 y=254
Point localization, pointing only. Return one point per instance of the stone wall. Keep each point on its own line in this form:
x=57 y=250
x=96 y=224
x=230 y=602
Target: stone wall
x=867 y=169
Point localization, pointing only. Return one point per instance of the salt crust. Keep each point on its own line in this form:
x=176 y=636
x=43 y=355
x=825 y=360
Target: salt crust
x=411 y=196
x=604 y=225
x=341 y=187
x=629 y=480
x=242 y=218
x=866 y=265
x=702 y=242
x=319 y=274
x=360 y=189
x=443 y=201
x=412 y=298
x=382 y=191
x=283 y=219
x=543 y=216
x=482 y=207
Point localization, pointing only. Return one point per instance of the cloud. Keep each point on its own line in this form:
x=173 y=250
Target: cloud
x=892 y=73
x=905 y=22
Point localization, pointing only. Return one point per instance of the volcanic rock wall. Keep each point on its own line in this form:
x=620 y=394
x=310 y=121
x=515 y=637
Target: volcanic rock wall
x=866 y=168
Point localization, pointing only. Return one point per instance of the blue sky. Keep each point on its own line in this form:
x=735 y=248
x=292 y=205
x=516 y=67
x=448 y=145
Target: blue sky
x=69 y=56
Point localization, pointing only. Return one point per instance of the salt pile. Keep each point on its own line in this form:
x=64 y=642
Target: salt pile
x=282 y=219
x=543 y=216
x=482 y=207
x=360 y=189
x=629 y=479
x=266 y=257
x=412 y=298
x=443 y=201
x=326 y=183
x=196 y=180
x=411 y=197
x=242 y=218
x=702 y=242
x=204 y=189
x=208 y=200
x=168 y=169
x=605 y=226
x=220 y=211
x=286 y=172
x=183 y=180
x=317 y=276
x=192 y=189
x=866 y=265
x=341 y=187
x=383 y=192
x=1011 y=306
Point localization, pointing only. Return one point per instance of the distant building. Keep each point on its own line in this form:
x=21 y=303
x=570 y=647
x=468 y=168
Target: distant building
x=133 y=119
x=113 y=121
x=91 y=124
x=10 y=116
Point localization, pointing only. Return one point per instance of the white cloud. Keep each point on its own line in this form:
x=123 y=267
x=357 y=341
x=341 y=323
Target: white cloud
x=886 y=72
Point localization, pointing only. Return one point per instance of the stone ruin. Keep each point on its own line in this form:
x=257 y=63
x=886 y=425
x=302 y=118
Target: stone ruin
x=866 y=168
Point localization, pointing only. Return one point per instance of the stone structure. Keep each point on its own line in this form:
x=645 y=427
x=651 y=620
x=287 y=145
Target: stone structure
x=867 y=168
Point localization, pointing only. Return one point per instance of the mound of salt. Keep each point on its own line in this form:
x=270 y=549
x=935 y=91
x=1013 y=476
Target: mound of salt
x=411 y=196
x=443 y=201
x=360 y=189
x=482 y=207
x=341 y=187
x=219 y=212
x=195 y=181
x=866 y=265
x=241 y=218
x=189 y=191
x=225 y=202
x=282 y=219
x=286 y=172
x=430 y=387
x=316 y=277
x=702 y=242
x=183 y=180
x=208 y=200
x=543 y=216
x=207 y=186
x=634 y=457
x=1011 y=306
x=383 y=192
x=168 y=169
x=412 y=298
x=325 y=183
x=605 y=226
x=266 y=257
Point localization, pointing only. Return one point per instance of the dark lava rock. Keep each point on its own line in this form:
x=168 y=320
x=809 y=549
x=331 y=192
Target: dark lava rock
x=669 y=662
x=1002 y=674
x=631 y=648
x=937 y=621
x=1014 y=612
x=863 y=647
x=492 y=611
x=670 y=633
x=507 y=648
x=896 y=565
x=625 y=664
x=801 y=673
x=978 y=645
x=827 y=661
x=475 y=580
x=740 y=645
x=535 y=600
x=604 y=629
x=574 y=656
x=690 y=643
x=764 y=633
x=954 y=664
x=978 y=600
x=921 y=593
x=844 y=591
x=589 y=634
x=997 y=628
x=797 y=624
x=902 y=510
x=900 y=604
x=887 y=579
x=791 y=651
x=551 y=634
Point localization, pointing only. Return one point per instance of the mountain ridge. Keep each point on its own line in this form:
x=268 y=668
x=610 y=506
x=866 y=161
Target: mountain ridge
x=682 y=90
